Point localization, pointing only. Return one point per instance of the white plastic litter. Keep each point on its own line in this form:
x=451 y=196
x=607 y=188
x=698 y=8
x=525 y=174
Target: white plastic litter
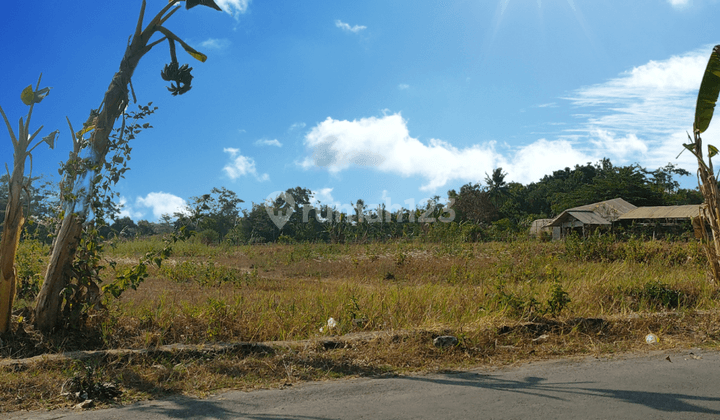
x=651 y=339
x=332 y=323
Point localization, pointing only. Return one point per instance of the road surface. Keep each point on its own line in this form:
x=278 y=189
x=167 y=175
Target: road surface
x=646 y=386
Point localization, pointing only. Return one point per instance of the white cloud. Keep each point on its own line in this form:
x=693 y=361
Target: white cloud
x=384 y=144
x=297 y=126
x=347 y=28
x=531 y=162
x=127 y=211
x=403 y=86
x=640 y=115
x=234 y=7
x=215 y=44
x=618 y=146
x=162 y=203
x=262 y=142
x=241 y=165
x=678 y=4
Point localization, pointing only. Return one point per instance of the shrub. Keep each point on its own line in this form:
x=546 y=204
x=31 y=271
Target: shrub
x=658 y=295
x=559 y=299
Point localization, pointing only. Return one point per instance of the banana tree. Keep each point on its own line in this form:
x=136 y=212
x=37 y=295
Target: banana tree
x=710 y=210
x=14 y=218
x=100 y=125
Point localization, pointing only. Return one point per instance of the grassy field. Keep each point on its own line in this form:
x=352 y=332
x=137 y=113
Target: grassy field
x=506 y=303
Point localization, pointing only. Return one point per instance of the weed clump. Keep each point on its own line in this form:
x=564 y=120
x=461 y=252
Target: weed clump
x=558 y=301
x=656 y=295
x=528 y=307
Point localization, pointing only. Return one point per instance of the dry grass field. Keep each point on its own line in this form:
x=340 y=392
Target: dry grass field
x=505 y=302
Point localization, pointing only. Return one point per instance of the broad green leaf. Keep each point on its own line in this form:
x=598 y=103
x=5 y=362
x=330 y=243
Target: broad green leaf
x=712 y=150
x=709 y=90
x=27 y=95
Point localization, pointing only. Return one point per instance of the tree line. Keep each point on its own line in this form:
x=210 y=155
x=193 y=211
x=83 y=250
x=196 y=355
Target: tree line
x=492 y=210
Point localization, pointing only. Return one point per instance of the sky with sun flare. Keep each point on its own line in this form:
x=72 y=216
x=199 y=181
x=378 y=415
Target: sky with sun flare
x=389 y=101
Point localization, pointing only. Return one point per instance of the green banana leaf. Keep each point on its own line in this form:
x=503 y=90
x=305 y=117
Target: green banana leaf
x=708 y=94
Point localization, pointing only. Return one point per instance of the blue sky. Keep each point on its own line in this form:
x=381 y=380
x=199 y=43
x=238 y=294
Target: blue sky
x=390 y=101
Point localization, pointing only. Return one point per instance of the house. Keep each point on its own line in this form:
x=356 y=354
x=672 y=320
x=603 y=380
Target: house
x=664 y=217
x=588 y=218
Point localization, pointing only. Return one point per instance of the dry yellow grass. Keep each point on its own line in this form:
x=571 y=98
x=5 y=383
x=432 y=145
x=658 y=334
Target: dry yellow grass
x=495 y=297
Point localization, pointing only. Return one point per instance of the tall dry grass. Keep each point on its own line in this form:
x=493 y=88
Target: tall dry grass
x=288 y=292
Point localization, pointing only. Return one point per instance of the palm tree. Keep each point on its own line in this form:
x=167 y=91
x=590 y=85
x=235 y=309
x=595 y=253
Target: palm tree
x=497 y=187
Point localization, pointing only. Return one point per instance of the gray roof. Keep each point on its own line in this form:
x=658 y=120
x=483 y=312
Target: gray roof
x=586 y=217
x=663 y=212
x=619 y=206
x=601 y=213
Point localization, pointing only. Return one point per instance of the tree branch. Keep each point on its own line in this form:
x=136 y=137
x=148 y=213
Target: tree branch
x=149 y=46
x=138 y=28
x=169 y=14
x=156 y=20
x=10 y=130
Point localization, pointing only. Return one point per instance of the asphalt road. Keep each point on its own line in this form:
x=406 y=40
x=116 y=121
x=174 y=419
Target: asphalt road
x=632 y=387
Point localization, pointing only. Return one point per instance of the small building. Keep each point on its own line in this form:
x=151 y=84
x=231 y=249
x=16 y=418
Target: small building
x=664 y=217
x=590 y=217
x=663 y=214
x=539 y=226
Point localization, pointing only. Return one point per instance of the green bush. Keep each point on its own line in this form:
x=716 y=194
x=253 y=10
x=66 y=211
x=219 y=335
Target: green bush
x=515 y=305
x=656 y=295
x=558 y=301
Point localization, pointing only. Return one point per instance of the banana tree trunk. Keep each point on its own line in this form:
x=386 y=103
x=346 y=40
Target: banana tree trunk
x=14 y=221
x=49 y=300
